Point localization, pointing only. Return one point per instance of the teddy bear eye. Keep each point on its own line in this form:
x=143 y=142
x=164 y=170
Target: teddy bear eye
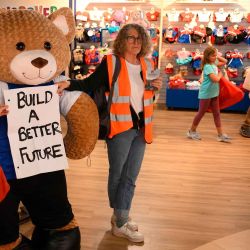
x=47 y=45
x=20 y=46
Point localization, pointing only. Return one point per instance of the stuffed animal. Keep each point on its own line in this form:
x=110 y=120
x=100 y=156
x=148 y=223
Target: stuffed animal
x=118 y=16
x=177 y=81
x=34 y=52
x=137 y=16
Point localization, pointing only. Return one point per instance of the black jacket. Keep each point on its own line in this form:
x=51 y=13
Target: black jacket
x=100 y=78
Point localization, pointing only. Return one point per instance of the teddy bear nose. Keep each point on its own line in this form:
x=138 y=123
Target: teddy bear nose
x=39 y=62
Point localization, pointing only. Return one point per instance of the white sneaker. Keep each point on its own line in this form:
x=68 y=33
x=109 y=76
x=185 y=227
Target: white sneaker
x=131 y=224
x=126 y=232
x=224 y=138
x=193 y=135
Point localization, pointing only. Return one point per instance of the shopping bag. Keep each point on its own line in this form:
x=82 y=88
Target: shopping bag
x=229 y=93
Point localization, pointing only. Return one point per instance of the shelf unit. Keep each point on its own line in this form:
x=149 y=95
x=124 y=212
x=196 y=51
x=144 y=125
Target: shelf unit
x=163 y=6
x=188 y=99
x=179 y=98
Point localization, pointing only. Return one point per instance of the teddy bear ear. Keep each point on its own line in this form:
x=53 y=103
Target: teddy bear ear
x=64 y=20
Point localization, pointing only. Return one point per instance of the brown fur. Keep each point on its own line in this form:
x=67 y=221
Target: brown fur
x=33 y=29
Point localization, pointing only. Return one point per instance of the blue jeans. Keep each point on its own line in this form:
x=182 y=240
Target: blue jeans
x=125 y=153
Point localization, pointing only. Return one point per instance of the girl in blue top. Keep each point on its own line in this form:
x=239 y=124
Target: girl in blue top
x=208 y=94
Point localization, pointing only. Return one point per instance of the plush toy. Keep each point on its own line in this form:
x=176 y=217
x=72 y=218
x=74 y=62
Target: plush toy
x=34 y=52
x=137 y=16
x=118 y=16
x=177 y=81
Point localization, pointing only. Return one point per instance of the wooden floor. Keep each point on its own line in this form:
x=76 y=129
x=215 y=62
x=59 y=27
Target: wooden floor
x=188 y=192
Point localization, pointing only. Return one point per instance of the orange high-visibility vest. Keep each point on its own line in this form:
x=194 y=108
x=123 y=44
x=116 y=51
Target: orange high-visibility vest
x=4 y=186
x=120 y=115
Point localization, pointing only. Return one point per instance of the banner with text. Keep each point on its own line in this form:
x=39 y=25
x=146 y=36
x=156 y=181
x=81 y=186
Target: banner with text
x=34 y=130
x=45 y=7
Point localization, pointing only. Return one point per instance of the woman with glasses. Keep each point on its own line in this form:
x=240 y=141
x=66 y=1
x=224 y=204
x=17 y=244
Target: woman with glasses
x=130 y=120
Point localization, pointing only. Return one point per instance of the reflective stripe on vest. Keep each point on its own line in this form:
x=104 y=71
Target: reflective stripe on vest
x=148 y=102
x=147 y=65
x=120 y=114
x=120 y=118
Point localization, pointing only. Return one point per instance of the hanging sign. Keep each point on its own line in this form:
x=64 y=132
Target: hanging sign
x=45 y=7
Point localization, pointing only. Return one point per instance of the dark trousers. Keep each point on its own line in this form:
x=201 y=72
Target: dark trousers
x=44 y=196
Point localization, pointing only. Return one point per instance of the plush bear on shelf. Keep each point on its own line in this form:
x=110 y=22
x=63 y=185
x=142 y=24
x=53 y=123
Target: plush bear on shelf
x=34 y=52
x=137 y=16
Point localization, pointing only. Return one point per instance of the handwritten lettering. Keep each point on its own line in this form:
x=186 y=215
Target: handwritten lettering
x=32 y=99
x=33 y=114
x=38 y=131
x=40 y=154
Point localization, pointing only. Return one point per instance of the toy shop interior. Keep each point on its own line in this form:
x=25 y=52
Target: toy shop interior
x=179 y=36
x=193 y=190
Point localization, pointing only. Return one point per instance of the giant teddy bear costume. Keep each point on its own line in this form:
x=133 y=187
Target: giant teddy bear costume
x=34 y=51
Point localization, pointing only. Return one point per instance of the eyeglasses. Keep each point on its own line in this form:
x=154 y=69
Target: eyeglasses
x=133 y=39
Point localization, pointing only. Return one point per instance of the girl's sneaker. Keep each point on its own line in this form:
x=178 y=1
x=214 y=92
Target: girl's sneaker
x=224 y=138
x=193 y=135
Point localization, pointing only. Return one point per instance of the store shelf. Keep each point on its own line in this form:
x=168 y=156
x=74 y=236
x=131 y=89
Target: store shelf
x=181 y=98
x=188 y=99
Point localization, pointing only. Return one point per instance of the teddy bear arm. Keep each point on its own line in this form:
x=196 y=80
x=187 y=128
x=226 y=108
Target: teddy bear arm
x=82 y=118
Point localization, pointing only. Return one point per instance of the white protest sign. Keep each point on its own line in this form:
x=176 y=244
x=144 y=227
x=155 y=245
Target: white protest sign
x=34 y=130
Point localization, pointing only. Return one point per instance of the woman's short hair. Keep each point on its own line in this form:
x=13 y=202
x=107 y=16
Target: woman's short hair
x=119 y=46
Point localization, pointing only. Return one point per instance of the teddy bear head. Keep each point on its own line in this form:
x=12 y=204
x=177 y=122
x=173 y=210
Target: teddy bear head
x=118 y=16
x=34 y=49
x=137 y=16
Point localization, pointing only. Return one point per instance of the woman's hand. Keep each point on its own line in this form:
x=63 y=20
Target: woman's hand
x=3 y=110
x=157 y=83
x=61 y=86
